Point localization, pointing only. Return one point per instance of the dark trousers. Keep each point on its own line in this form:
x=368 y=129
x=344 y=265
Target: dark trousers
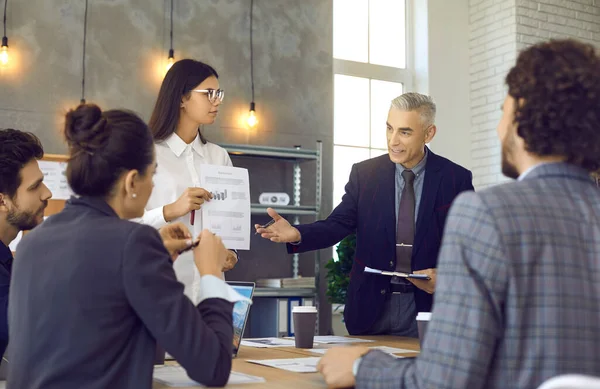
x=398 y=317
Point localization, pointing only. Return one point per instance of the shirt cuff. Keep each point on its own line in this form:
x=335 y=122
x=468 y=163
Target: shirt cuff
x=155 y=218
x=212 y=287
x=355 y=366
x=296 y=243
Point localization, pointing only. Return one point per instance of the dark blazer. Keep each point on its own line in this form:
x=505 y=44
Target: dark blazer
x=6 y=260
x=368 y=208
x=92 y=294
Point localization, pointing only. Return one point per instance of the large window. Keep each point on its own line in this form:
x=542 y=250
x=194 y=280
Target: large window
x=370 y=66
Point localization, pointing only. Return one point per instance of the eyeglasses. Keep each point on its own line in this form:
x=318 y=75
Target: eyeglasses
x=212 y=94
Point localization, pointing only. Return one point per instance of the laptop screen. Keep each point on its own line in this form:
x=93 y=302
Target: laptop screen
x=240 y=311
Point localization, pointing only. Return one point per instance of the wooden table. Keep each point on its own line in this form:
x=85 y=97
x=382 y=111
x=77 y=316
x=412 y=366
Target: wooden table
x=277 y=378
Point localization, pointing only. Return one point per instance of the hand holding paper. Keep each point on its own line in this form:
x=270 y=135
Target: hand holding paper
x=429 y=285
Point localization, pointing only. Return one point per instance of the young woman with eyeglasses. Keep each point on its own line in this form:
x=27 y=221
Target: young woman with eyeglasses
x=189 y=97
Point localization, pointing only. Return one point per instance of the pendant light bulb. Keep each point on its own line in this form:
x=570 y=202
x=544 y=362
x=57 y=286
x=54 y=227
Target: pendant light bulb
x=170 y=60
x=252 y=121
x=4 y=51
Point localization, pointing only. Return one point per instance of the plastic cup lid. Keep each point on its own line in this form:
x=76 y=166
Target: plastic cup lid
x=424 y=316
x=304 y=309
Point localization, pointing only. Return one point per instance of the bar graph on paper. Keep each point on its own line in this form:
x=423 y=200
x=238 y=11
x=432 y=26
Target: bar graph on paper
x=220 y=195
x=227 y=214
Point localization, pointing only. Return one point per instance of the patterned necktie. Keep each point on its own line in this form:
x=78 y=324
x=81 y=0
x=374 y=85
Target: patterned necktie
x=405 y=231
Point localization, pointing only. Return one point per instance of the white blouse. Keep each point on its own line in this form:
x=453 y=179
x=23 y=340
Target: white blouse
x=179 y=165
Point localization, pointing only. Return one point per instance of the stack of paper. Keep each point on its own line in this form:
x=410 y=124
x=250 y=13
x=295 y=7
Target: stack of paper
x=268 y=283
x=175 y=376
x=300 y=282
x=268 y=342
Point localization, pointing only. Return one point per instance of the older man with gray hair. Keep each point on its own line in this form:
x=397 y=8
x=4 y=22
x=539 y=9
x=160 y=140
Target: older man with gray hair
x=397 y=205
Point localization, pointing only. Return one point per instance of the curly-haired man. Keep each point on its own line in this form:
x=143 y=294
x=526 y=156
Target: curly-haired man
x=518 y=291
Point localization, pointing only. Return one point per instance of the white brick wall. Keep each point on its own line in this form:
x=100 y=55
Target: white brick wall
x=498 y=30
x=544 y=19
x=493 y=44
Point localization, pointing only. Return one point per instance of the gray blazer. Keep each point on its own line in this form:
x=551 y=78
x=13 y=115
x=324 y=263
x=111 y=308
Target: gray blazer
x=90 y=293
x=518 y=293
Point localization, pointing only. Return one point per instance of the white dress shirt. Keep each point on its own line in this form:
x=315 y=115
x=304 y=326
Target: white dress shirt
x=179 y=166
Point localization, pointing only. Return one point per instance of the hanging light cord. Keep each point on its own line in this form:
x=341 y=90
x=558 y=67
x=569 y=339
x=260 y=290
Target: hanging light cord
x=5 y=4
x=171 y=35
x=251 y=50
x=83 y=58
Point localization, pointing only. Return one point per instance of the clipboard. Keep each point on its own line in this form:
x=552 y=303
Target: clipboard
x=397 y=274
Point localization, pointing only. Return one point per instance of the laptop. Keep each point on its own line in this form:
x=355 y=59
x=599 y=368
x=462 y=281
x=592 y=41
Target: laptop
x=241 y=309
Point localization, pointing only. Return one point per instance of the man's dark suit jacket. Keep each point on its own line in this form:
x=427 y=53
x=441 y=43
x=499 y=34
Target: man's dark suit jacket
x=368 y=208
x=6 y=260
x=91 y=295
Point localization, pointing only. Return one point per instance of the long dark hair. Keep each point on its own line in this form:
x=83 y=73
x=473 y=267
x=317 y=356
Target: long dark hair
x=183 y=76
x=102 y=146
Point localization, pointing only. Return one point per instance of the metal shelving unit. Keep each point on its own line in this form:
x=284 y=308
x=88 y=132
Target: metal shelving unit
x=296 y=156
x=285 y=292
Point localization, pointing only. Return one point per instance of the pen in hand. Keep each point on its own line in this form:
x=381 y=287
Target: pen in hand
x=190 y=247
x=270 y=223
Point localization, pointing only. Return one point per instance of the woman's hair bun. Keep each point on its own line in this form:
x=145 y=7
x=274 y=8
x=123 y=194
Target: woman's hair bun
x=86 y=129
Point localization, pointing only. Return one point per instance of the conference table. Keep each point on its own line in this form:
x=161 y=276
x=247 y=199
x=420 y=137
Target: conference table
x=277 y=378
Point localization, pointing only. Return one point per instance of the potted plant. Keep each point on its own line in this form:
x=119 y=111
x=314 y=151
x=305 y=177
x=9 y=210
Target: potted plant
x=338 y=278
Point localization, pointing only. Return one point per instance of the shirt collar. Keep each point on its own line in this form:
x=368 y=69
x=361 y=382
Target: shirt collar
x=418 y=169
x=178 y=146
x=532 y=168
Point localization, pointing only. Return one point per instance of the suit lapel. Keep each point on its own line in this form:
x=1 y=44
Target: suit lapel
x=433 y=177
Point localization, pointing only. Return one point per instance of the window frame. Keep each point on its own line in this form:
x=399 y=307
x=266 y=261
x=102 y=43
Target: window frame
x=405 y=76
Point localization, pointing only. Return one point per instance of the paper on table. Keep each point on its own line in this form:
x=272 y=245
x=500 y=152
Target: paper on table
x=297 y=365
x=393 y=350
x=339 y=339
x=227 y=214
x=55 y=179
x=268 y=342
x=175 y=376
x=385 y=349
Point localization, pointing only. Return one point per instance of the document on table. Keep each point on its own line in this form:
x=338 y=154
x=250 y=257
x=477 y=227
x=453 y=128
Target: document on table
x=385 y=349
x=175 y=376
x=227 y=214
x=268 y=342
x=297 y=365
x=339 y=339
x=55 y=179
x=389 y=350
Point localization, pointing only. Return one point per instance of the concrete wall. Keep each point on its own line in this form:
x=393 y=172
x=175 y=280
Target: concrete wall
x=127 y=46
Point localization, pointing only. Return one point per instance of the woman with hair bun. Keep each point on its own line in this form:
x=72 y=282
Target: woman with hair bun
x=93 y=293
